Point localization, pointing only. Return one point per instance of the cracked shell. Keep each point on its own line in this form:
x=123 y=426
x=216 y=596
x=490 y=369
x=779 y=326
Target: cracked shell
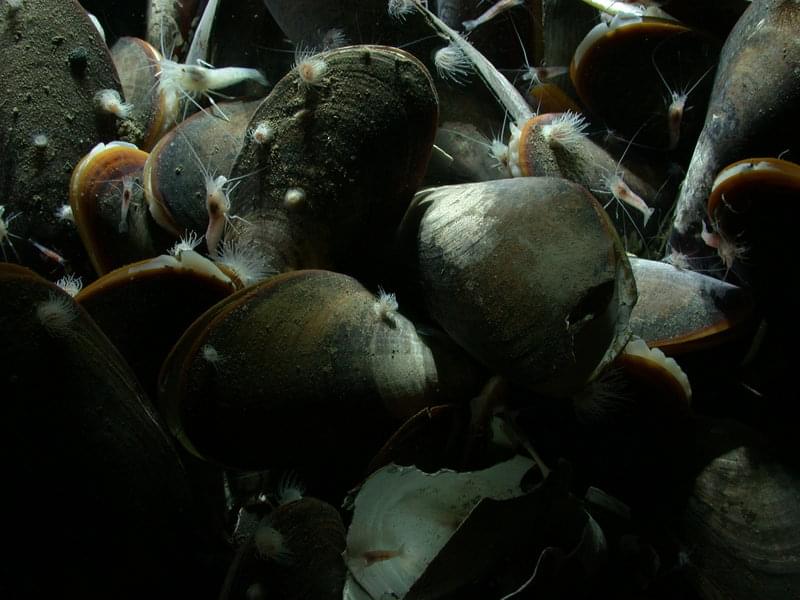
x=527 y=274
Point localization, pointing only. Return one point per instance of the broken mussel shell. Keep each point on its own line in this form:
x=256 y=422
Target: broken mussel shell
x=295 y=552
x=752 y=110
x=54 y=62
x=94 y=467
x=740 y=520
x=551 y=317
x=417 y=535
x=680 y=310
x=178 y=169
x=145 y=307
x=349 y=149
x=752 y=207
x=108 y=206
x=630 y=72
x=305 y=364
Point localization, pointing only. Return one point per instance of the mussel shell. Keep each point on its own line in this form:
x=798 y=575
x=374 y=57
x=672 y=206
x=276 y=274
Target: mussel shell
x=300 y=366
x=173 y=175
x=753 y=206
x=54 y=62
x=137 y=65
x=617 y=77
x=741 y=518
x=357 y=144
x=91 y=464
x=145 y=307
x=680 y=310
x=95 y=196
x=751 y=111
x=527 y=274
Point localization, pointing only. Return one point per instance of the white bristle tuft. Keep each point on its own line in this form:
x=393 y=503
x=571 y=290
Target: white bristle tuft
x=71 y=284
x=310 y=66
x=189 y=241
x=566 y=130
x=452 y=64
x=262 y=133
x=56 y=314
x=109 y=101
x=290 y=488
x=400 y=9
x=247 y=263
x=385 y=306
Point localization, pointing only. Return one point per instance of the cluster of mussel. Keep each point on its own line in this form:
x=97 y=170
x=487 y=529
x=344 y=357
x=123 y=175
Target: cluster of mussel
x=311 y=269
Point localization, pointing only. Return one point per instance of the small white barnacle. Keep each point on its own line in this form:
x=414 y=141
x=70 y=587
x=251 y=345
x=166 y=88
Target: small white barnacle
x=109 y=101
x=64 y=213
x=71 y=284
x=451 y=63
x=56 y=314
x=40 y=141
x=385 y=306
x=262 y=133
x=210 y=354
x=310 y=66
x=189 y=241
x=294 y=198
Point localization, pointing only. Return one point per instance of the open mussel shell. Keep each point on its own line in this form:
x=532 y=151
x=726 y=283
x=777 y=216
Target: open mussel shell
x=54 y=62
x=751 y=111
x=176 y=169
x=304 y=364
x=108 y=206
x=680 y=310
x=527 y=274
x=145 y=307
x=347 y=154
x=753 y=206
x=294 y=553
x=91 y=464
x=740 y=521
x=152 y=113
x=626 y=72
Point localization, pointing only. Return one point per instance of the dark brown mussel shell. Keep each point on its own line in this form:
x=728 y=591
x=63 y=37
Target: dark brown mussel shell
x=54 y=62
x=740 y=522
x=527 y=274
x=174 y=175
x=625 y=73
x=347 y=155
x=144 y=308
x=91 y=464
x=303 y=365
x=680 y=310
x=754 y=206
x=102 y=183
x=151 y=115
x=294 y=553
x=752 y=110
